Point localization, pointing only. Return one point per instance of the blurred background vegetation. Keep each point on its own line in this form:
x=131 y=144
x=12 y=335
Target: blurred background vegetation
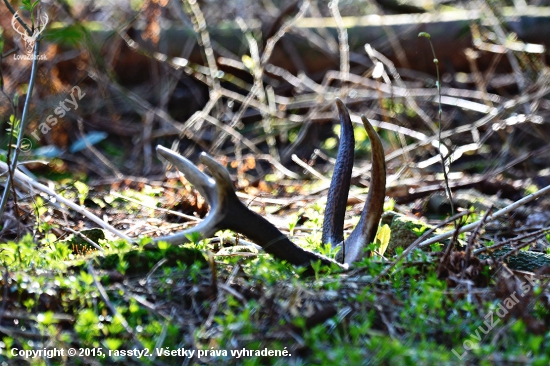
x=205 y=76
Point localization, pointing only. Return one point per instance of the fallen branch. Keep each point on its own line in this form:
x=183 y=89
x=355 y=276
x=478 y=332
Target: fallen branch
x=499 y=213
x=26 y=183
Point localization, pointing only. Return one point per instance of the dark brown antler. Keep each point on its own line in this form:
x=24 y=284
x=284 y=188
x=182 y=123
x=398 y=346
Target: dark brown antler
x=228 y=212
x=333 y=224
x=365 y=231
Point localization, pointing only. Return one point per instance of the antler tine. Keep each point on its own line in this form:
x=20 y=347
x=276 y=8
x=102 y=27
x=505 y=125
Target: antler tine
x=224 y=185
x=365 y=231
x=203 y=183
x=206 y=187
x=333 y=223
x=228 y=212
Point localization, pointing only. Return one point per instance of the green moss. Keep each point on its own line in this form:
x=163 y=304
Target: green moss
x=522 y=260
x=404 y=230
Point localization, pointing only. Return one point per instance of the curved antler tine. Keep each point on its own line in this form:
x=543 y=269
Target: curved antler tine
x=209 y=188
x=234 y=215
x=333 y=224
x=203 y=183
x=223 y=184
x=365 y=231
x=205 y=229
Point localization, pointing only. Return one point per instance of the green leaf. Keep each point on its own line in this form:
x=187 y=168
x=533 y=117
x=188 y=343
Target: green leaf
x=193 y=237
x=113 y=343
x=425 y=35
x=46 y=318
x=163 y=245
x=83 y=191
x=26 y=4
x=383 y=238
x=71 y=35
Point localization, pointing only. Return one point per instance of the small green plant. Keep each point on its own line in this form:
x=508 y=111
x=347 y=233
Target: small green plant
x=39 y=207
x=328 y=251
x=294 y=219
x=14 y=127
x=419 y=230
x=316 y=268
x=194 y=238
x=83 y=191
x=29 y=6
x=444 y=166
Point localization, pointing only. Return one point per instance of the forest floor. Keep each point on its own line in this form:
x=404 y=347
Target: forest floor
x=82 y=283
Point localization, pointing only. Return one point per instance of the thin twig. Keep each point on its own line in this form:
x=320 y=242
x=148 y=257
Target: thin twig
x=417 y=244
x=471 y=240
x=528 y=236
x=96 y=152
x=440 y=127
x=28 y=183
x=499 y=213
x=342 y=38
x=22 y=125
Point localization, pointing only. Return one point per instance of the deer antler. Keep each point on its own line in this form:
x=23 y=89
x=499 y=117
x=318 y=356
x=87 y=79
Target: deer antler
x=228 y=212
x=366 y=228
x=365 y=231
x=333 y=224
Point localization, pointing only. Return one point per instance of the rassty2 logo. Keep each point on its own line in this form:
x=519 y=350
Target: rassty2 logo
x=30 y=40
